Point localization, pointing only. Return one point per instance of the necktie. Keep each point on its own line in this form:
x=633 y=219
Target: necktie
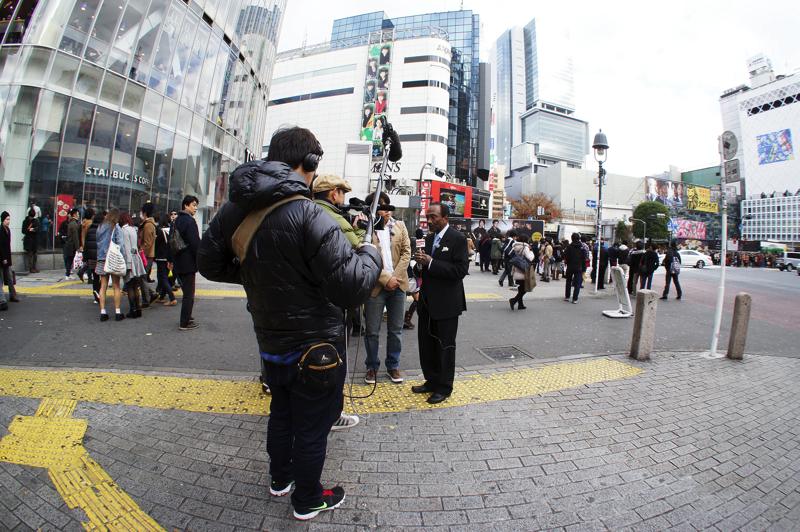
x=436 y=241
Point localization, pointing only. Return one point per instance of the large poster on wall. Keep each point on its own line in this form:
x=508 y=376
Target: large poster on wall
x=775 y=147
x=690 y=229
x=670 y=193
x=375 y=106
x=699 y=199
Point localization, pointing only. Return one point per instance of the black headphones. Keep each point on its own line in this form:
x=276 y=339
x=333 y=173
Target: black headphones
x=311 y=162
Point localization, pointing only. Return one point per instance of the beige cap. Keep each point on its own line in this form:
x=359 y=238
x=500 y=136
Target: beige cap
x=327 y=182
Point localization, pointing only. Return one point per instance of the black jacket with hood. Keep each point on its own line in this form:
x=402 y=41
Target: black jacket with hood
x=300 y=270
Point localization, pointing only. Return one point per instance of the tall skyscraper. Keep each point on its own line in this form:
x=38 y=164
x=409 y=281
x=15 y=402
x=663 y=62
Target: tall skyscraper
x=536 y=96
x=463 y=29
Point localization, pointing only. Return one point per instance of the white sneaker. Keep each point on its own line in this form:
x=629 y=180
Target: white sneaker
x=345 y=421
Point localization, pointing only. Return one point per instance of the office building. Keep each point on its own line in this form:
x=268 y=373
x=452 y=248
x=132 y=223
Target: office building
x=114 y=103
x=536 y=100
x=765 y=117
x=463 y=35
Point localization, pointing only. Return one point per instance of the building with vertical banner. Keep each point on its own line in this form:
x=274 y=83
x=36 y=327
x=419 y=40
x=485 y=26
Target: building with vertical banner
x=346 y=94
x=463 y=84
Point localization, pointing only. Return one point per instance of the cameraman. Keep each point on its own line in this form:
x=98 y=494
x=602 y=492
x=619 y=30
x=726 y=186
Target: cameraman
x=299 y=273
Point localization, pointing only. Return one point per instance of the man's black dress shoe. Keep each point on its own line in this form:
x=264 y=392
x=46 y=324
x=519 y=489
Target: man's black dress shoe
x=437 y=398
x=422 y=388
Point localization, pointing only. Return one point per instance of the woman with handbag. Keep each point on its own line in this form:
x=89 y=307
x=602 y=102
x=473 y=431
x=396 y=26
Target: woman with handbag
x=133 y=263
x=110 y=262
x=6 y=275
x=521 y=260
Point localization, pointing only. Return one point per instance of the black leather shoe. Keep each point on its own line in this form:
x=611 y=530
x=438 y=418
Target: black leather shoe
x=422 y=388
x=437 y=398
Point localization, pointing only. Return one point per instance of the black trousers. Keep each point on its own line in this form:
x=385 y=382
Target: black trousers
x=437 y=349
x=520 y=294
x=69 y=256
x=646 y=280
x=297 y=431
x=187 y=302
x=672 y=277
x=572 y=286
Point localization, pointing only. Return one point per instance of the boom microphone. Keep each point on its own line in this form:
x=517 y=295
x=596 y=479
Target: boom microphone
x=390 y=135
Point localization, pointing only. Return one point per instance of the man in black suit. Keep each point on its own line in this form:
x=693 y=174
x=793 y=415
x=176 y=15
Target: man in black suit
x=444 y=263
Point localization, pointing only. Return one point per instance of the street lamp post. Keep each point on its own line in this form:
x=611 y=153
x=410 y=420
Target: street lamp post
x=644 y=237
x=600 y=147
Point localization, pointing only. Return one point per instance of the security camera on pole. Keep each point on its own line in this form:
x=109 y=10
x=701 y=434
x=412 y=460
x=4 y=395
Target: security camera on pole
x=728 y=145
x=600 y=146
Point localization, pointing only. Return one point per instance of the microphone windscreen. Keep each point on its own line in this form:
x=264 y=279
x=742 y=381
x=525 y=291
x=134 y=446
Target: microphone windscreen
x=395 y=151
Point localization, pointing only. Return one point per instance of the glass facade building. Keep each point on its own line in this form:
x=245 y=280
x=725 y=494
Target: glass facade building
x=536 y=95
x=463 y=29
x=112 y=103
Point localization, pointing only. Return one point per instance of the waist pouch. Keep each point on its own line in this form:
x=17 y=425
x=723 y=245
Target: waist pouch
x=317 y=367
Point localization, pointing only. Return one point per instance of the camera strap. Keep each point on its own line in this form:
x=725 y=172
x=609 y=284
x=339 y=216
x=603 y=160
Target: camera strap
x=240 y=242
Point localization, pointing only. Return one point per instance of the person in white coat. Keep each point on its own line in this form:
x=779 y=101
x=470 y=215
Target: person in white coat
x=521 y=248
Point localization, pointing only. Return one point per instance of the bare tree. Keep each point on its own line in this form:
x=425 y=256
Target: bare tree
x=528 y=206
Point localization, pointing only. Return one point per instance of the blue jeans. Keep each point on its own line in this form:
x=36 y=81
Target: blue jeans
x=395 y=304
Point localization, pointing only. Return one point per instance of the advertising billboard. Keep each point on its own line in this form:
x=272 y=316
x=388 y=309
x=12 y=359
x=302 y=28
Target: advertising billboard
x=699 y=199
x=775 y=147
x=691 y=229
x=375 y=108
x=670 y=193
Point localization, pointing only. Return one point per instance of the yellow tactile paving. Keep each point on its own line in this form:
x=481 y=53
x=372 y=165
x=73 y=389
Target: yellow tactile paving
x=52 y=440
x=62 y=289
x=243 y=397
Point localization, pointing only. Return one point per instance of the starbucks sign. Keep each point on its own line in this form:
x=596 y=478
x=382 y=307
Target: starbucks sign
x=116 y=174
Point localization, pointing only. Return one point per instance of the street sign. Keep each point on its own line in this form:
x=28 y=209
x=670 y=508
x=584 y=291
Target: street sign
x=672 y=225
x=729 y=145
x=732 y=171
x=592 y=204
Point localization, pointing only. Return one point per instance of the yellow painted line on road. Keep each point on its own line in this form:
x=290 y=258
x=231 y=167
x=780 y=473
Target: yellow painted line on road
x=52 y=440
x=245 y=397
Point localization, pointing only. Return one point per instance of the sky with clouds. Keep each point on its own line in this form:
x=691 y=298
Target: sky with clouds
x=648 y=73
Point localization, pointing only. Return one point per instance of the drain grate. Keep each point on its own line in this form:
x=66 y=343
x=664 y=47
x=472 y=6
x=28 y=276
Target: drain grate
x=504 y=352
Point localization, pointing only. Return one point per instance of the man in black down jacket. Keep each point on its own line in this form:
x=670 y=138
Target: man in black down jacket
x=299 y=272
x=185 y=262
x=575 y=260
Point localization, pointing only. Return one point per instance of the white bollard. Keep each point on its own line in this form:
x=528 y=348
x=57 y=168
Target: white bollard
x=625 y=309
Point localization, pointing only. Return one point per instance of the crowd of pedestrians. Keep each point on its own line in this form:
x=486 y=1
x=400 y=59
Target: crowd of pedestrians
x=578 y=261
x=113 y=250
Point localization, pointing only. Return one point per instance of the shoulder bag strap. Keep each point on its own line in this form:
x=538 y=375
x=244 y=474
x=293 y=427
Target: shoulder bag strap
x=240 y=242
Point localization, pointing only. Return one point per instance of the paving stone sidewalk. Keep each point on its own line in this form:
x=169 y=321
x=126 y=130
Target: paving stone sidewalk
x=689 y=444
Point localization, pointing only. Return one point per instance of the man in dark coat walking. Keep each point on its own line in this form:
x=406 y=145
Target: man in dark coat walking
x=444 y=264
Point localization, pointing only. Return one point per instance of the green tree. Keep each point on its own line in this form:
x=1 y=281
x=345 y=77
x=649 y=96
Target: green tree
x=655 y=215
x=623 y=232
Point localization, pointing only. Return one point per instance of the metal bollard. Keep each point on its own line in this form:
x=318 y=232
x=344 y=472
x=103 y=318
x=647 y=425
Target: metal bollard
x=644 y=325
x=741 y=320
